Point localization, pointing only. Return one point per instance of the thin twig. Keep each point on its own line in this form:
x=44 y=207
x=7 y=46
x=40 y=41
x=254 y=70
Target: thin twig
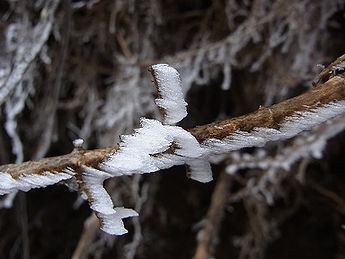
x=91 y=227
x=208 y=234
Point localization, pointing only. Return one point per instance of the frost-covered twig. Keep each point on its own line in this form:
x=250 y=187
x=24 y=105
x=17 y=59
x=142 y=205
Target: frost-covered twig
x=269 y=117
x=304 y=146
x=156 y=146
x=292 y=114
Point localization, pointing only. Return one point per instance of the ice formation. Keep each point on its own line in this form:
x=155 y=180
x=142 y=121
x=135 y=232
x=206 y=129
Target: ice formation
x=200 y=170
x=290 y=127
x=171 y=98
x=101 y=203
x=113 y=224
x=27 y=182
x=302 y=147
x=156 y=145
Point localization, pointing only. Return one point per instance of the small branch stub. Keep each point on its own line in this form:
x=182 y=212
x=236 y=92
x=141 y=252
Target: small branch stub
x=78 y=143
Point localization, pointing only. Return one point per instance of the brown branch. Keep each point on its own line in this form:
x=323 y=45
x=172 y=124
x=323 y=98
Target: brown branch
x=264 y=117
x=271 y=117
x=329 y=71
x=91 y=227
x=74 y=160
x=205 y=247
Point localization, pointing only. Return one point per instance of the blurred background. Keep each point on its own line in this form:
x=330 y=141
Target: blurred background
x=78 y=69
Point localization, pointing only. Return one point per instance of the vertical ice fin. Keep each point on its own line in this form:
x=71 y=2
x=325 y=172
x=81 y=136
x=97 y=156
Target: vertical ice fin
x=199 y=170
x=170 y=96
x=100 y=201
x=113 y=224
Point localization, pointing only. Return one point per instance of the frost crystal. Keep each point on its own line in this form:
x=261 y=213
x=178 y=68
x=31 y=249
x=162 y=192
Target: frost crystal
x=293 y=125
x=27 y=182
x=155 y=146
x=99 y=198
x=113 y=224
x=171 y=98
x=200 y=170
x=101 y=203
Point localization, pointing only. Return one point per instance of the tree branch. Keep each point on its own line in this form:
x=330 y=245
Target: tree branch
x=271 y=117
x=155 y=145
x=265 y=117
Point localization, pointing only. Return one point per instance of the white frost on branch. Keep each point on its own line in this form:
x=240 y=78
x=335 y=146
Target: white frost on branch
x=101 y=203
x=289 y=128
x=100 y=200
x=153 y=147
x=339 y=67
x=310 y=146
x=27 y=182
x=171 y=98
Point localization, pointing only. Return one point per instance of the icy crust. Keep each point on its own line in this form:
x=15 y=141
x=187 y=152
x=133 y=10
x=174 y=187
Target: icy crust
x=171 y=97
x=27 y=182
x=101 y=203
x=155 y=146
x=289 y=128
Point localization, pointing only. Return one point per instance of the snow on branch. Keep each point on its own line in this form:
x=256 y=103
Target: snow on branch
x=156 y=145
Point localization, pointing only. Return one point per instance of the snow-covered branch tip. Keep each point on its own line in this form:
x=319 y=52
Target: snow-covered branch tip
x=156 y=145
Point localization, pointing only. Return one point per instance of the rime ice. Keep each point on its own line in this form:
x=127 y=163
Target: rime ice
x=113 y=224
x=200 y=170
x=155 y=146
x=101 y=203
x=289 y=128
x=27 y=182
x=171 y=98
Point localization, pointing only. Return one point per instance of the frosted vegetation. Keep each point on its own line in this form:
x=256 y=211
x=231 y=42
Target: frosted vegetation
x=264 y=54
